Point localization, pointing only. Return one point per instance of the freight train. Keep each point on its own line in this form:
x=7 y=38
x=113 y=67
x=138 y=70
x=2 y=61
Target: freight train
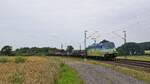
x=105 y=49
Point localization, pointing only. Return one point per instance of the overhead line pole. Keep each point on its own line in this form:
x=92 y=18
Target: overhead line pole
x=125 y=40
x=80 y=47
x=61 y=46
x=125 y=37
x=85 y=38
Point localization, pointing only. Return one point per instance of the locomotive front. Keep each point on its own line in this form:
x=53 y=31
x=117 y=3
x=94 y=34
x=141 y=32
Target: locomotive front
x=104 y=49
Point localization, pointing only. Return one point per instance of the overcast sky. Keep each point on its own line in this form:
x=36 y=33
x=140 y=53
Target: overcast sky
x=43 y=23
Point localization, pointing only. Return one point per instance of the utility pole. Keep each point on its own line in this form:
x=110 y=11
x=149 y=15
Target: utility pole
x=85 y=38
x=61 y=46
x=80 y=47
x=125 y=40
x=125 y=37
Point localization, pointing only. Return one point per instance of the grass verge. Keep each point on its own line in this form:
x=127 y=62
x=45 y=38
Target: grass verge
x=68 y=75
x=141 y=75
x=3 y=60
x=20 y=59
x=142 y=58
x=16 y=59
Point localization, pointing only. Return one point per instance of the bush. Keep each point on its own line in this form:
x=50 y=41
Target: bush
x=20 y=59
x=3 y=60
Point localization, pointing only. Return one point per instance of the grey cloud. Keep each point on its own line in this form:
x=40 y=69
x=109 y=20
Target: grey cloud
x=39 y=22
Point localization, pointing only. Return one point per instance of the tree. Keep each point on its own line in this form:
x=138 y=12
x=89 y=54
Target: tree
x=145 y=45
x=130 y=48
x=6 y=50
x=69 y=49
x=26 y=51
x=23 y=51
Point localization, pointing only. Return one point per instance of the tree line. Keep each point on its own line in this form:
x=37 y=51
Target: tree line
x=26 y=51
x=132 y=48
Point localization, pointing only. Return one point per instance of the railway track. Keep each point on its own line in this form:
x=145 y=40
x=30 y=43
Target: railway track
x=144 y=64
x=136 y=64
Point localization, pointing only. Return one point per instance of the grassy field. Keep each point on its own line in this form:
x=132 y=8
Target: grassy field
x=143 y=58
x=28 y=70
x=68 y=76
x=36 y=70
x=52 y=70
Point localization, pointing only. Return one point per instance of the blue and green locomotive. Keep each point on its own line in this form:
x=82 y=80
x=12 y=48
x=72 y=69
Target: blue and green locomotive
x=105 y=49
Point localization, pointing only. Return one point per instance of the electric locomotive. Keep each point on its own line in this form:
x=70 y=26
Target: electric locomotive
x=105 y=49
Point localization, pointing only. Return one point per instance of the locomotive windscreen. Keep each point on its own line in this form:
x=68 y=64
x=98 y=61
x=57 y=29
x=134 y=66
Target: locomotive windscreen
x=108 y=45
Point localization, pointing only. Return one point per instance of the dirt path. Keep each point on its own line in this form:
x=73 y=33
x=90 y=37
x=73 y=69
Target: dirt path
x=96 y=74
